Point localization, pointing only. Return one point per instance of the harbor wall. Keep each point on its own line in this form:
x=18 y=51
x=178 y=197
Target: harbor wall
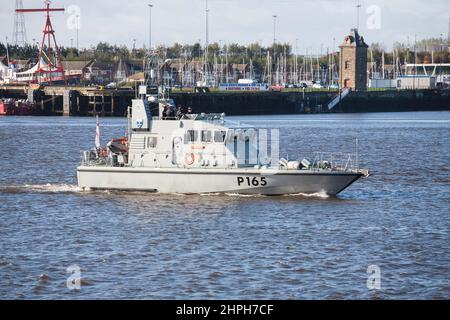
x=88 y=102
x=396 y=101
x=316 y=102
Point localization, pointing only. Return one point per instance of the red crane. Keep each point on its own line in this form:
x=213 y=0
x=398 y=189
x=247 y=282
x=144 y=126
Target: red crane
x=53 y=70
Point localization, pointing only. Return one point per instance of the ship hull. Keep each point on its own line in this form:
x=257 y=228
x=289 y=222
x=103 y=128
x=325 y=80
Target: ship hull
x=198 y=181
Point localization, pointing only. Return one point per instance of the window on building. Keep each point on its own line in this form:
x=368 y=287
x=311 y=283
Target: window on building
x=347 y=64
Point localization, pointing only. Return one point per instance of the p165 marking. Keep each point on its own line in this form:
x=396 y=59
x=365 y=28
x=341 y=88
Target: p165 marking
x=252 y=182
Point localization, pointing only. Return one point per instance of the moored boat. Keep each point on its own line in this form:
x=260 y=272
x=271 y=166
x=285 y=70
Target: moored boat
x=12 y=107
x=2 y=108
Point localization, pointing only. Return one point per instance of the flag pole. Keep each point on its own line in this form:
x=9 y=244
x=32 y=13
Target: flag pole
x=97 y=134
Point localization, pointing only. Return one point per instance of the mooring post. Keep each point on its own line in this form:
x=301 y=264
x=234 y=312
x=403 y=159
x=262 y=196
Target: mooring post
x=66 y=103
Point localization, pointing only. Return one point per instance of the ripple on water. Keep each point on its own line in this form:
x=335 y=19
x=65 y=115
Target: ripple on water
x=140 y=245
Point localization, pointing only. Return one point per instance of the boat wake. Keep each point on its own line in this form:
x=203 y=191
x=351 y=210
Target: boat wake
x=70 y=189
x=321 y=195
x=46 y=188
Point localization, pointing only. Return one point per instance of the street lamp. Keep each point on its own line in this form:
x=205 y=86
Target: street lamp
x=442 y=56
x=274 y=29
x=358 y=7
x=150 y=6
x=274 y=35
x=78 y=28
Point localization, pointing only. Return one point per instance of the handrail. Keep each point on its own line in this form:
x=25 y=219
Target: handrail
x=322 y=161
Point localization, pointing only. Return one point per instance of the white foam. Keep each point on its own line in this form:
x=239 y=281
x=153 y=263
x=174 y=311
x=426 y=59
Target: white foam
x=243 y=195
x=52 y=188
x=321 y=195
x=218 y=194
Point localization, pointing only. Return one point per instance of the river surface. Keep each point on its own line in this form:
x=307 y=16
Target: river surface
x=152 y=246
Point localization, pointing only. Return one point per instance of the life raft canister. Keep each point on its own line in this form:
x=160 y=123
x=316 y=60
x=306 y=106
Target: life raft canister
x=189 y=159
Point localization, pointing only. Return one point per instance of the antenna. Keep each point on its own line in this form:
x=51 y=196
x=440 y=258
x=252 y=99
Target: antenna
x=20 y=31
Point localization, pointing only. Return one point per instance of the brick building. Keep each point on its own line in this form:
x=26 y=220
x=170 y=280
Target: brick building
x=353 y=66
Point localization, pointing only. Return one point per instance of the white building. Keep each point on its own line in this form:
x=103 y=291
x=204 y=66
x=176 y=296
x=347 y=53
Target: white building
x=3 y=70
x=416 y=82
x=383 y=83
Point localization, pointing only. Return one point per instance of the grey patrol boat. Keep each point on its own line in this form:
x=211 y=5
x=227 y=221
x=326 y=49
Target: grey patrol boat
x=204 y=153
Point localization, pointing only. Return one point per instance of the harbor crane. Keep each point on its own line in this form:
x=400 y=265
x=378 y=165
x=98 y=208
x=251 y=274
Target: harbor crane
x=51 y=69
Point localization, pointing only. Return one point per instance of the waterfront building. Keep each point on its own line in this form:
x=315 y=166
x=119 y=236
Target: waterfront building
x=413 y=82
x=353 y=66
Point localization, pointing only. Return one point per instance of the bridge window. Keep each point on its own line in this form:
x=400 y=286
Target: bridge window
x=219 y=136
x=206 y=136
x=247 y=150
x=235 y=147
x=191 y=136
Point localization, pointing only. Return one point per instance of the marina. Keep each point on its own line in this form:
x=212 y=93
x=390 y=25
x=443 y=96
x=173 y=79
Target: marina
x=220 y=152
x=352 y=76
x=88 y=102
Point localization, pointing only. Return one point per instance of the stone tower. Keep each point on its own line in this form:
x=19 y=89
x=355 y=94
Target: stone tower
x=353 y=62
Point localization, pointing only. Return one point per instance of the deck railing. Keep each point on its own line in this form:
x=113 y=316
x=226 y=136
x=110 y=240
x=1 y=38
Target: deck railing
x=321 y=161
x=346 y=162
x=94 y=159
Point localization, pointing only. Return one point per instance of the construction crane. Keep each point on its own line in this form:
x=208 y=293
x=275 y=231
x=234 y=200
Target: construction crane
x=52 y=70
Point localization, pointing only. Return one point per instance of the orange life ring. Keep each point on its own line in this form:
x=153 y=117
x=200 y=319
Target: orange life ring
x=189 y=159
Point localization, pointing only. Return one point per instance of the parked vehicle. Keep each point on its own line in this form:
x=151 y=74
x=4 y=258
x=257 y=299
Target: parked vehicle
x=276 y=88
x=317 y=86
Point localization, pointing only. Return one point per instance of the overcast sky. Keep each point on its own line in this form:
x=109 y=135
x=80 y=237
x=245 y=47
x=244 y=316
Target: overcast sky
x=314 y=23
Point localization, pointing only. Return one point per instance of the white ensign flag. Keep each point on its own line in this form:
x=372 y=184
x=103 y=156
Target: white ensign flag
x=97 y=135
